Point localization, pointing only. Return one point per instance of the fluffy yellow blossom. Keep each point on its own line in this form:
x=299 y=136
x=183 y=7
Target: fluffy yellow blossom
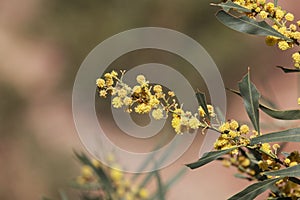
x=244 y=129
x=296 y=57
x=117 y=102
x=100 y=82
x=293 y=27
x=289 y=17
x=263 y=14
x=279 y=14
x=233 y=124
x=294 y=163
x=142 y=108
x=194 y=123
x=299 y=101
x=201 y=111
x=96 y=163
x=171 y=93
x=143 y=193
x=261 y=2
x=283 y=45
x=224 y=127
x=114 y=74
x=122 y=93
x=266 y=147
x=176 y=124
x=102 y=93
x=157 y=114
x=116 y=175
x=287 y=161
x=246 y=162
x=157 y=88
x=86 y=172
x=271 y=40
x=141 y=79
x=127 y=101
x=233 y=134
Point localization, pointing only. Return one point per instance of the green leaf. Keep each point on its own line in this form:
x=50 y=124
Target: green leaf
x=277 y=114
x=254 y=190
x=208 y=157
x=288 y=70
x=230 y=5
x=63 y=195
x=289 y=135
x=287 y=172
x=160 y=187
x=202 y=102
x=105 y=180
x=275 y=3
x=246 y=25
x=281 y=114
x=250 y=96
x=242 y=176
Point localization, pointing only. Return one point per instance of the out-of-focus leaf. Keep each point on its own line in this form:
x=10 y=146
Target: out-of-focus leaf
x=289 y=135
x=246 y=25
x=254 y=190
x=45 y=198
x=251 y=97
x=275 y=3
x=160 y=187
x=63 y=195
x=281 y=114
x=202 y=102
x=242 y=176
x=286 y=154
x=105 y=180
x=288 y=70
x=208 y=157
x=295 y=180
x=290 y=172
x=230 y=5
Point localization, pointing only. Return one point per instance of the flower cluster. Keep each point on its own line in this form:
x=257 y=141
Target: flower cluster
x=233 y=135
x=144 y=98
x=122 y=186
x=282 y=21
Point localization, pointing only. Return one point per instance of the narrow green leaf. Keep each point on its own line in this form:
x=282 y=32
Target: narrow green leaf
x=290 y=172
x=208 y=157
x=160 y=187
x=202 y=102
x=289 y=135
x=242 y=176
x=277 y=114
x=246 y=25
x=281 y=114
x=251 y=100
x=63 y=195
x=288 y=70
x=254 y=190
x=105 y=180
x=230 y=5
x=275 y=3
x=295 y=180
x=45 y=198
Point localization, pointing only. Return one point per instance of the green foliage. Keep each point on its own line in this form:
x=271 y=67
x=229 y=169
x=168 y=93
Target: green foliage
x=251 y=100
x=281 y=114
x=230 y=5
x=290 y=135
x=202 y=102
x=208 y=157
x=246 y=25
x=293 y=171
x=254 y=190
x=289 y=70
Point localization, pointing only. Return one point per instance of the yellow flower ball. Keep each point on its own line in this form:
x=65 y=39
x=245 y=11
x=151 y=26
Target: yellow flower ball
x=289 y=17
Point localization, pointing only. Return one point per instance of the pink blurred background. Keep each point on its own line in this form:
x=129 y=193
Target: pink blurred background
x=42 y=46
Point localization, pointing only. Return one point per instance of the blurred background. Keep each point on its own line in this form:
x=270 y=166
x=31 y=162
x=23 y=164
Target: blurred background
x=43 y=43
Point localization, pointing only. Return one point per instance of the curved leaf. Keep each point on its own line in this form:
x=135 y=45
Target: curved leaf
x=290 y=171
x=288 y=70
x=246 y=25
x=208 y=157
x=202 y=102
x=254 y=190
x=290 y=135
x=281 y=114
x=250 y=96
x=230 y=5
x=277 y=114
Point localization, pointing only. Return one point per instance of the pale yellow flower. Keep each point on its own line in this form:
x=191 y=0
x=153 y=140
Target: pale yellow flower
x=100 y=82
x=157 y=114
x=117 y=102
x=289 y=17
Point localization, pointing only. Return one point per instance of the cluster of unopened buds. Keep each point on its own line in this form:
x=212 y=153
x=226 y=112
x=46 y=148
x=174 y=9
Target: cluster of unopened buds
x=282 y=21
x=143 y=98
x=123 y=187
